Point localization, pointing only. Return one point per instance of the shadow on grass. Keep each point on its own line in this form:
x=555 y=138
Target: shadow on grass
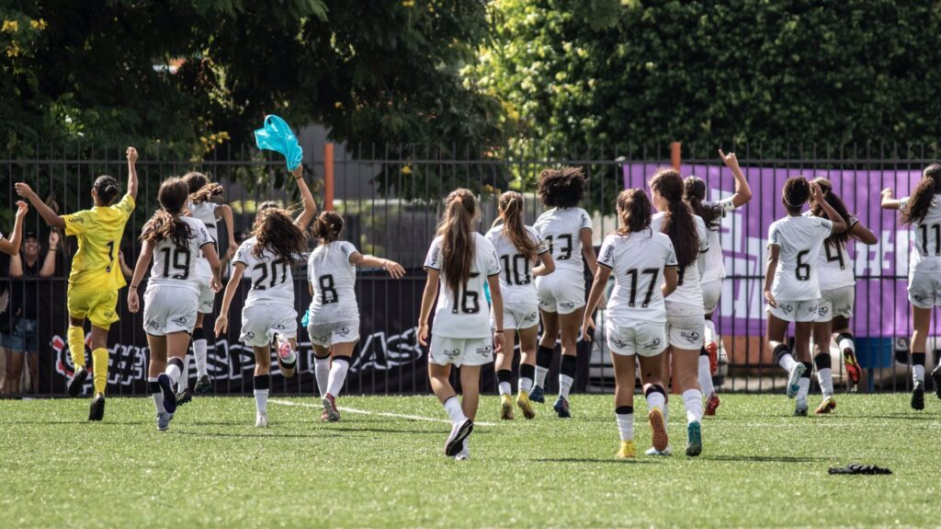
x=97 y=424
x=589 y=460
x=258 y=435
x=389 y=430
x=765 y=459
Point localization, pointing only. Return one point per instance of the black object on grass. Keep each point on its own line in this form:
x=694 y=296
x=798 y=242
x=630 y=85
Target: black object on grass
x=855 y=468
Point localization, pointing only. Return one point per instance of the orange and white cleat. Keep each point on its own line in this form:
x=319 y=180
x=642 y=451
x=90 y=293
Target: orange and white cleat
x=853 y=371
x=712 y=349
x=827 y=406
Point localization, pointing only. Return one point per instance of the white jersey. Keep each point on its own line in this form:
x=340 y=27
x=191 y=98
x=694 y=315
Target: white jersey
x=689 y=288
x=516 y=281
x=926 y=254
x=206 y=212
x=800 y=240
x=332 y=278
x=271 y=277
x=177 y=266
x=715 y=263
x=464 y=315
x=637 y=261
x=561 y=229
x=835 y=265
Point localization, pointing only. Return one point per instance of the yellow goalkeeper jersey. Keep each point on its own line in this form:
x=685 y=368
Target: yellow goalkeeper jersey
x=99 y=231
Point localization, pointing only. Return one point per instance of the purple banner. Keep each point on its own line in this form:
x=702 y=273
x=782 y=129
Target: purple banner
x=881 y=299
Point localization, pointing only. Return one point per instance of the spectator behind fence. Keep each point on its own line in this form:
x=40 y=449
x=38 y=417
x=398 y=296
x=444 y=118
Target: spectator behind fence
x=20 y=331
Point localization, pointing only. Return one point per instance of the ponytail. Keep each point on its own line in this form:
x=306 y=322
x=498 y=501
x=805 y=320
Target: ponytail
x=166 y=223
x=327 y=227
x=923 y=196
x=106 y=187
x=511 y=207
x=835 y=239
x=694 y=193
x=633 y=207
x=678 y=220
x=206 y=193
x=457 y=238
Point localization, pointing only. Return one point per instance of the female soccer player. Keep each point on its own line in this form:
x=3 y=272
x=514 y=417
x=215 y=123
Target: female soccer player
x=460 y=262
x=792 y=287
x=203 y=206
x=277 y=242
x=96 y=277
x=686 y=320
x=519 y=247
x=645 y=271
x=11 y=246
x=694 y=193
x=922 y=210
x=565 y=228
x=171 y=302
x=334 y=313
x=837 y=296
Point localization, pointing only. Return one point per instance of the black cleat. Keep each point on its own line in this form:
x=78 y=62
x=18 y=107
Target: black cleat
x=936 y=376
x=184 y=396
x=97 y=410
x=203 y=385
x=169 y=397
x=78 y=380
x=918 y=396
x=459 y=432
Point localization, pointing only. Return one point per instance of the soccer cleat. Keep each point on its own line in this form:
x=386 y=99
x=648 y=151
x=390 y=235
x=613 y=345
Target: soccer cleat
x=712 y=349
x=626 y=451
x=506 y=408
x=537 y=395
x=658 y=430
x=800 y=410
x=693 y=439
x=203 y=385
x=286 y=357
x=792 y=386
x=184 y=397
x=163 y=421
x=918 y=396
x=97 y=410
x=853 y=371
x=78 y=380
x=261 y=420
x=169 y=397
x=712 y=404
x=459 y=432
x=561 y=407
x=666 y=452
x=330 y=408
x=463 y=455
x=828 y=405
x=522 y=400
x=936 y=376
x=324 y=416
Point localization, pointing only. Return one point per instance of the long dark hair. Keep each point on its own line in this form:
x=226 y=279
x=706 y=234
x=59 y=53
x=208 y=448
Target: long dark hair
x=107 y=188
x=923 y=195
x=275 y=231
x=678 y=220
x=694 y=193
x=511 y=205
x=835 y=239
x=561 y=188
x=457 y=238
x=327 y=227
x=201 y=189
x=633 y=211
x=166 y=223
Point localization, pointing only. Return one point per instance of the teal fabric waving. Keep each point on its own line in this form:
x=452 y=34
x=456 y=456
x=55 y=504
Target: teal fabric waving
x=277 y=136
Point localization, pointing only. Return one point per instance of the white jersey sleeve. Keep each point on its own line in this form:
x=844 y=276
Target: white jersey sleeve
x=272 y=281
x=206 y=212
x=176 y=266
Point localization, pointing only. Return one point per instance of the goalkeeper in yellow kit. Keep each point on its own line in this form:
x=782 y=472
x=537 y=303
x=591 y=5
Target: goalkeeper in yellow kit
x=96 y=274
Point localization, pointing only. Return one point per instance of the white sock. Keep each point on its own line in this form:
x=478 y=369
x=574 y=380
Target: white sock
x=787 y=362
x=710 y=333
x=261 y=400
x=526 y=384
x=626 y=425
x=804 y=383
x=158 y=396
x=847 y=343
x=918 y=373
x=199 y=355
x=565 y=385
x=692 y=400
x=322 y=373
x=705 y=376
x=825 y=377
x=505 y=388
x=455 y=413
x=541 y=373
x=173 y=372
x=184 y=380
x=337 y=376
x=656 y=401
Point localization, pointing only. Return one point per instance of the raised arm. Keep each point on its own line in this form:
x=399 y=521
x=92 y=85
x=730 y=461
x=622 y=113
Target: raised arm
x=839 y=224
x=47 y=214
x=132 y=172
x=310 y=207
x=888 y=202
x=395 y=269
x=742 y=190
x=11 y=246
x=863 y=234
x=49 y=261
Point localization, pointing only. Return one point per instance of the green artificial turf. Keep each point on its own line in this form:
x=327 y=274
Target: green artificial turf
x=760 y=466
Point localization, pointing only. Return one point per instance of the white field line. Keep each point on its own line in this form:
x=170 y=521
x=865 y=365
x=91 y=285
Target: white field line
x=378 y=413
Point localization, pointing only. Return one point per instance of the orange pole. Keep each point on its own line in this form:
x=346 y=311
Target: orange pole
x=676 y=156
x=328 y=176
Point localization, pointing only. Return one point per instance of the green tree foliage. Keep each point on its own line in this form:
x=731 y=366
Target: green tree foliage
x=606 y=72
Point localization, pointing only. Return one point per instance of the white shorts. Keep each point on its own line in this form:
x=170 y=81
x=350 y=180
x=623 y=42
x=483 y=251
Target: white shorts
x=563 y=292
x=327 y=334
x=460 y=351
x=261 y=321
x=792 y=311
x=924 y=289
x=838 y=302
x=207 y=298
x=643 y=338
x=686 y=331
x=520 y=316
x=710 y=295
x=169 y=309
